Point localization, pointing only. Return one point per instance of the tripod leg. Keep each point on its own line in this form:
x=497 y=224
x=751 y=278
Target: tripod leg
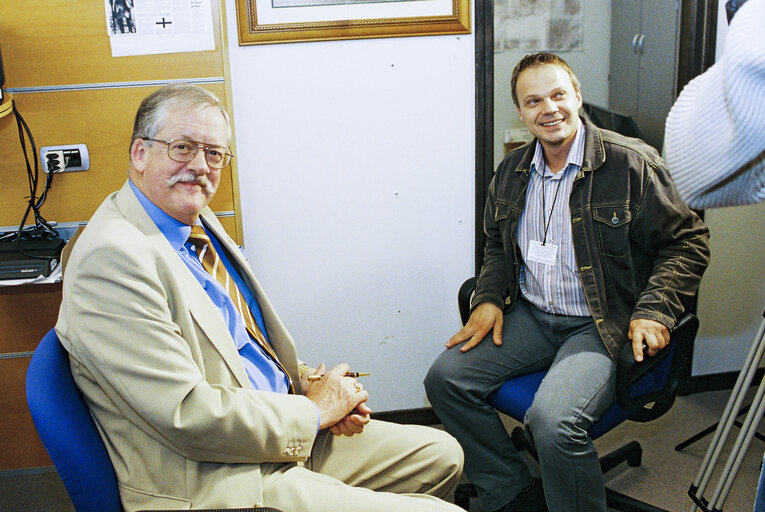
x=738 y=452
x=757 y=435
x=681 y=446
x=746 y=375
x=685 y=444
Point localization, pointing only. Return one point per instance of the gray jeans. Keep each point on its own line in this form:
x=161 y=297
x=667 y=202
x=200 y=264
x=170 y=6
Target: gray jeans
x=578 y=387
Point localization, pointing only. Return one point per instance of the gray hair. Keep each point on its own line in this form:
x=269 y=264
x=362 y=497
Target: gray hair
x=157 y=107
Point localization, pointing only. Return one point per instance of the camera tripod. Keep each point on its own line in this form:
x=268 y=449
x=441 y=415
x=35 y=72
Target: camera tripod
x=732 y=410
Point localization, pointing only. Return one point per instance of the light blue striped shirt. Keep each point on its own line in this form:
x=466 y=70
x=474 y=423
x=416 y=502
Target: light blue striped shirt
x=557 y=288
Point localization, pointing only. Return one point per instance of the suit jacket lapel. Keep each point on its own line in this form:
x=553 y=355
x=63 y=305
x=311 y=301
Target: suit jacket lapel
x=195 y=298
x=280 y=339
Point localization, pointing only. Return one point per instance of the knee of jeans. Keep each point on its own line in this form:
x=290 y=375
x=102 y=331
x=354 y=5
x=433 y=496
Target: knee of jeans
x=549 y=426
x=435 y=380
x=541 y=423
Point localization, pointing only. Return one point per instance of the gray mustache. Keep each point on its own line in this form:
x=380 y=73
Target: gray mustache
x=188 y=177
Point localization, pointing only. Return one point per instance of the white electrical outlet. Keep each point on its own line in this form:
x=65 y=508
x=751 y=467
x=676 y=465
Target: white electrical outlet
x=65 y=158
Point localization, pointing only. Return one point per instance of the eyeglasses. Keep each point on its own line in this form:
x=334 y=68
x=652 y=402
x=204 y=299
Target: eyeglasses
x=184 y=151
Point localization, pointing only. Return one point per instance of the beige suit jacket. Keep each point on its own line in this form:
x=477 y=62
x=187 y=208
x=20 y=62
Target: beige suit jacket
x=160 y=371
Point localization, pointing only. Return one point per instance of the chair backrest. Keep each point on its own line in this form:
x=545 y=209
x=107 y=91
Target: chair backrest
x=67 y=430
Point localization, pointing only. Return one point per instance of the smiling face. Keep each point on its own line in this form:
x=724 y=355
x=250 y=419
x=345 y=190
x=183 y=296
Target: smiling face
x=548 y=104
x=151 y=167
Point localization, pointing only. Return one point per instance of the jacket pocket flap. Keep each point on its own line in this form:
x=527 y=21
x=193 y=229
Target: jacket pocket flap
x=502 y=211
x=613 y=216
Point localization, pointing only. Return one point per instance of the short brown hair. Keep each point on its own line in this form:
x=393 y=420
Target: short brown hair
x=539 y=59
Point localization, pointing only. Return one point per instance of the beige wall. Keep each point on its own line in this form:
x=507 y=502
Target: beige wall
x=732 y=294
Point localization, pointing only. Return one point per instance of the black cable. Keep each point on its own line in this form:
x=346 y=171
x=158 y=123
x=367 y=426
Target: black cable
x=31 y=180
x=42 y=229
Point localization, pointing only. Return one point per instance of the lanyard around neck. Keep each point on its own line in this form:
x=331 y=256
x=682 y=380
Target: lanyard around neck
x=546 y=222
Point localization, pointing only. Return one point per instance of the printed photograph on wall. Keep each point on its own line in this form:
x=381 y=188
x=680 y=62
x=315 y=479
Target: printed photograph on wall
x=121 y=16
x=289 y=21
x=538 y=25
x=159 y=26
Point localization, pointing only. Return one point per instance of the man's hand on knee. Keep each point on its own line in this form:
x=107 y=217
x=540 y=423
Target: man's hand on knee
x=485 y=317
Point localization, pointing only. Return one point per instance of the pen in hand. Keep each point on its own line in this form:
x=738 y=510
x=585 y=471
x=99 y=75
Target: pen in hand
x=313 y=378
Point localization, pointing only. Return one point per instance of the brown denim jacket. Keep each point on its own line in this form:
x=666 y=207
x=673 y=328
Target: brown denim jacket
x=640 y=250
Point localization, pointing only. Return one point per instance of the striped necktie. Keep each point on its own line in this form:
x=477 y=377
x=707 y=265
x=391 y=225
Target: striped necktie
x=215 y=267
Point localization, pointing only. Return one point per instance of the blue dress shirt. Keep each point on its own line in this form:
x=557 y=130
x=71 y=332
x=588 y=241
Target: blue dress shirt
x=262 y=371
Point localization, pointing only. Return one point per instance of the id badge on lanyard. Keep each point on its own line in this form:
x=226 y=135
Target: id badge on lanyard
x=542 y=253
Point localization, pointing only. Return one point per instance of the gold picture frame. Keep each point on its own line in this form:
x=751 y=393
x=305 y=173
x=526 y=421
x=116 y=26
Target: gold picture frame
x=289 y=21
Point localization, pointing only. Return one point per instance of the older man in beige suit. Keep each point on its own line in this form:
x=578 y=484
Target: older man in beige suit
x=194 y=384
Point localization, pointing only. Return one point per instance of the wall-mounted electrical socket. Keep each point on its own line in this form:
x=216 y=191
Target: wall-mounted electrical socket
x=65 y=158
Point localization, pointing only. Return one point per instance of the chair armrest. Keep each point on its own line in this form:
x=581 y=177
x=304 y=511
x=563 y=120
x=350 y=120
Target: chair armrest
x=650 y=405
x=463 y=298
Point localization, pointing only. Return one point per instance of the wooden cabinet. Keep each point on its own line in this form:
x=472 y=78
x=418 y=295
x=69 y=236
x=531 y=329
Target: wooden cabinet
x=26 y=314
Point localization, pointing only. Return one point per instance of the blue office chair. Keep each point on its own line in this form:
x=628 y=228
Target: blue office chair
x=69 y=434
x=644 y=391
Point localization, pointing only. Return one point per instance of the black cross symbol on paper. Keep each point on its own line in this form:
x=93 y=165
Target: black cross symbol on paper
x=164 y=23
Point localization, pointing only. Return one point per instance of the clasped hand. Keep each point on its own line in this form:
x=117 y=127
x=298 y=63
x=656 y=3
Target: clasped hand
x=341 y=400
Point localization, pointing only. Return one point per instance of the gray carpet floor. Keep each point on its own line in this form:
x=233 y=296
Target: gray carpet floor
x=662 y=479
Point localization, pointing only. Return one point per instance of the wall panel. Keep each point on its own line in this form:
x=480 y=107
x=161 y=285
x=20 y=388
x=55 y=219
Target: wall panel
x=102 y=119
x=55 y=42
x=70 y=90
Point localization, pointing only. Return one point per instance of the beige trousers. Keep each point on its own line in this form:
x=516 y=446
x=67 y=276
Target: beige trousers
x=387 y=468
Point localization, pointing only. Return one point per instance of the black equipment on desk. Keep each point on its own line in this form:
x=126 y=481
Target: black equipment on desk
x=29 y=258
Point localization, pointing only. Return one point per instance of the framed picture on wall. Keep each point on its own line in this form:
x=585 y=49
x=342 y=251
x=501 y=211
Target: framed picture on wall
x=289 y=21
